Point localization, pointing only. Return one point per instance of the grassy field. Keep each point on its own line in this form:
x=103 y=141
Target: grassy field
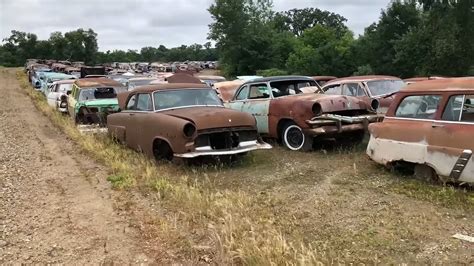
x=282 y=207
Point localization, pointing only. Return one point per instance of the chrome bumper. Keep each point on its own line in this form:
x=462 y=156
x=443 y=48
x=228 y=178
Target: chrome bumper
x=331 y=123
x=244 y=146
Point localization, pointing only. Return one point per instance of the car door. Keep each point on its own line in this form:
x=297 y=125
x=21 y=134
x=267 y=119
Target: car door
x=240 y=97
x=52 y=95
x=452 y=142
x=409 y=130
x=138 y=120
x=258 y=104
x=72 y=101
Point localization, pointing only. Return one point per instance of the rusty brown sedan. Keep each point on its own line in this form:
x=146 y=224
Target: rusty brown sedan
x=182 y=120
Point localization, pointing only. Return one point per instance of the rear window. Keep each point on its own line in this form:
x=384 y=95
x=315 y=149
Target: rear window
x=459 y=108
x=418 y=106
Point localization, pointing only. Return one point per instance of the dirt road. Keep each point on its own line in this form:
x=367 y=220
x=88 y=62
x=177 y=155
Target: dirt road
x=55 y=204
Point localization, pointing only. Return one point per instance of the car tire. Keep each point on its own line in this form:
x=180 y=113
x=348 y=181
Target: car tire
x=425 y=173
x=294 y=138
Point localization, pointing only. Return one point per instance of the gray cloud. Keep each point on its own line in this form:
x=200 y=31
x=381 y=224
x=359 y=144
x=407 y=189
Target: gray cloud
x=134 y=24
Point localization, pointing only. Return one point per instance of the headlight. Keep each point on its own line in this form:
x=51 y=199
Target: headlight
x=374 y=104
x=317 y=109
x=189 y=130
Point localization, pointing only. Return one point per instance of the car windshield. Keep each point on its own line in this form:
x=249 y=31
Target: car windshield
x=383 y=87
x=291 y=87
x=65 y=88
x=185 y=98
x=99 y=93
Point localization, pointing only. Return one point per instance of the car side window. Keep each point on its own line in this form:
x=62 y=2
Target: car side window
x=418 y=106
x=459 y=108
x=350 y=89
x=452 y=112
x=468 y=109
x=258 y=91
x=144 y=102
x=243 y=93
x=131 y=102
x=333 y=90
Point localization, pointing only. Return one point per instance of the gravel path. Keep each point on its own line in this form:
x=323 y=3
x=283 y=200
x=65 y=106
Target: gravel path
x=55 y=205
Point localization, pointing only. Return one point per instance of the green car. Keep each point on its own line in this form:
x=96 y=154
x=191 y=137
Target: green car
x=91 y=100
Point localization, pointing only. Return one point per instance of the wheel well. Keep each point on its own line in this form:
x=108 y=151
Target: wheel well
x=281 y=125
x=162 y=150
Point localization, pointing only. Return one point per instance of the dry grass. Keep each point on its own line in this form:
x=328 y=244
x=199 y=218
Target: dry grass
x=280 y=207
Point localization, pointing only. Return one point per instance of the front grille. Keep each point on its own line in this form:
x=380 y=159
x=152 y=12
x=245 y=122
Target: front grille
x=224 y=138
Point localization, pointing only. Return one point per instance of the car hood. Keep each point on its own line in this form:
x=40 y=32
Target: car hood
x=101 y=102
x=213 y=117
x=329 y=103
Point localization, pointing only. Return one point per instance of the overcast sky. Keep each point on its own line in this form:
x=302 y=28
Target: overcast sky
x=132 y=24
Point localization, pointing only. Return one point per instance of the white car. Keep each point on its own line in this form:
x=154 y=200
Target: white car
x=57 y=94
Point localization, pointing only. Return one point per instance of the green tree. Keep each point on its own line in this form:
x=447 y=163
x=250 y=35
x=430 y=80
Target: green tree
x=377 y=46
x=299 y=20
x=322 y=51
x=243 y=34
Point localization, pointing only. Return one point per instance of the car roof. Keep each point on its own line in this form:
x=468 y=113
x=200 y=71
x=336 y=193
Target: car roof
x=278 y=78
x=170 y=86
x=360 y=78
x=442 y=85
x=142 y=78
x=65 y=81
x=97 y=82
x=57 y=75
x=324 y=77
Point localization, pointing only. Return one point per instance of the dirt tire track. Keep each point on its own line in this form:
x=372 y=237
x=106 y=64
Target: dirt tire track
x=55 y=204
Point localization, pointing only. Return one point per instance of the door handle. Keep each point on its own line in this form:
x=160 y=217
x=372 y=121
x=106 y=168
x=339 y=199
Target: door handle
x=434 y=125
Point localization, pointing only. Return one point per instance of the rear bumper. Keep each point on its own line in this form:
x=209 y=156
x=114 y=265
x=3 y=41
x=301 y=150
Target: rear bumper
x=243 y=147
x=331 y=123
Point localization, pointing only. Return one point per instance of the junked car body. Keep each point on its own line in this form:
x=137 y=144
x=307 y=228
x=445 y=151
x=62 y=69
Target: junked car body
x=429 y=128
x=57 y=94
x=210 y=80
x=284 y=112
x=367 y=88
x=138 y=82
x=93 y=99
x=182 y=120
x=226 y=89
x=47 y=78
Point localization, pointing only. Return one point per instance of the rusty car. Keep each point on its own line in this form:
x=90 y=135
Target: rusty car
x=57 y=94
x=429 y=130
x=367 y=88
x=91 y=100
x=184 y=120
x=284 y=112
x=226 y=89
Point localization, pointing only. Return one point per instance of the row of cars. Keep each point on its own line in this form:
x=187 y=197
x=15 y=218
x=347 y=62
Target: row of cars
x=426 y=126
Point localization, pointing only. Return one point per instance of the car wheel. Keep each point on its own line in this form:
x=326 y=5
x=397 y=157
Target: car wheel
x=294 y=138
x=425 y=173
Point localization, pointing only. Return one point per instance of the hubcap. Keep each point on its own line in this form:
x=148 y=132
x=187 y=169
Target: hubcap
x=294 y=137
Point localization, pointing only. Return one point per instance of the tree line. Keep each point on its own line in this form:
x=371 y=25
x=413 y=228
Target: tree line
x=411 y=38
x=81 y=45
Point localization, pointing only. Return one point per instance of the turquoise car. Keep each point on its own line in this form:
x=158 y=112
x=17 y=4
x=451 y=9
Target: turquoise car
x=47 y=79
